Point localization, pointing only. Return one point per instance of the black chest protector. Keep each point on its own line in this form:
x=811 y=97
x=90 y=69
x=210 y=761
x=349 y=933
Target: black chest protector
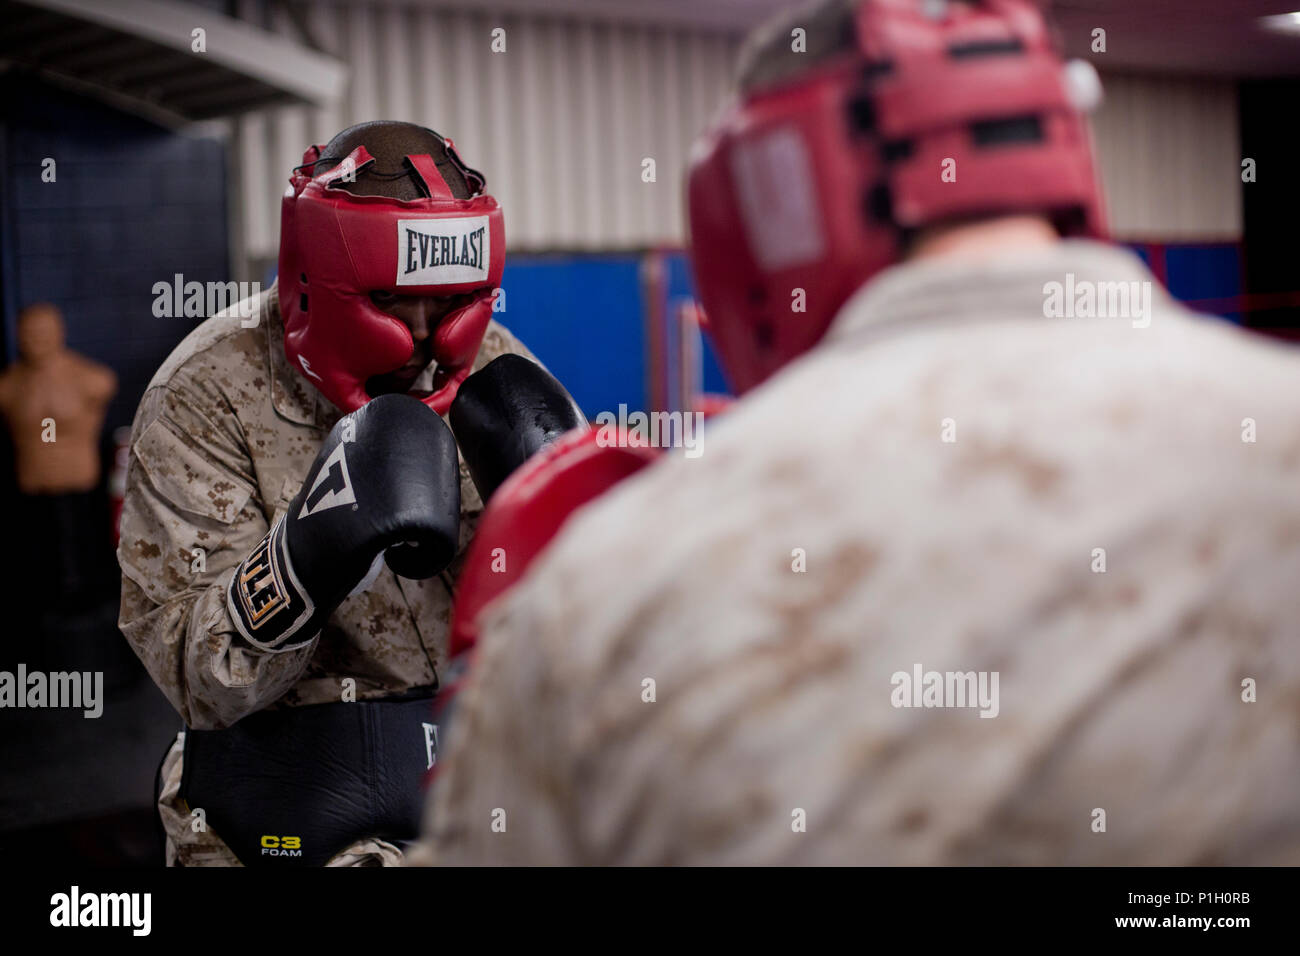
x=293 y=787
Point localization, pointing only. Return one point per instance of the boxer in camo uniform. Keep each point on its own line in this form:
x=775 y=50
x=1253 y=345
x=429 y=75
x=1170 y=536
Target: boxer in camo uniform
x=222 y=440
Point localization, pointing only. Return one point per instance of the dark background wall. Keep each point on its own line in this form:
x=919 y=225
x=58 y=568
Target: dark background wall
x=1270 y=134
x=132 y=205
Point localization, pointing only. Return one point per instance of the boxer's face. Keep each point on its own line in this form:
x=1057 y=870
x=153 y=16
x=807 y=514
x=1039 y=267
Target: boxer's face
x=421 y=314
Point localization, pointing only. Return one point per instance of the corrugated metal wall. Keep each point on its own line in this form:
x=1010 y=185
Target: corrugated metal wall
x=1170 y=157
x=562 y=120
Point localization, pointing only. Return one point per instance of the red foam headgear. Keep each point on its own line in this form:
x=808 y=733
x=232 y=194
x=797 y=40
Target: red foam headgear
x=336 y=248
x=814 y=183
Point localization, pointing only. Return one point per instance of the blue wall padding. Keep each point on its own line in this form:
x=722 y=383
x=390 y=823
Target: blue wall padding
x=1204 y=272
x=1141 y=252
x=681 y=285
x=583 y=317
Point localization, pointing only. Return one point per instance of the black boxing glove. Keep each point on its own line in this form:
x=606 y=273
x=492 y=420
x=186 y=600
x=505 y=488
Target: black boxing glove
x=385 y=482
x=504 y=414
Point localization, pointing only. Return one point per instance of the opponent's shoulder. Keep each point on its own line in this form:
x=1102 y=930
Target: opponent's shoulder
x=1174 y=365
x=1195 y=337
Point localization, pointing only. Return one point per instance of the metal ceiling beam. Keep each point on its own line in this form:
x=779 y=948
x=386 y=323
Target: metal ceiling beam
x=133 y=47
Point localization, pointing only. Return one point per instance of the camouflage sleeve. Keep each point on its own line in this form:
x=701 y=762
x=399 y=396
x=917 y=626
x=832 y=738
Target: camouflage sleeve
x=192 y=511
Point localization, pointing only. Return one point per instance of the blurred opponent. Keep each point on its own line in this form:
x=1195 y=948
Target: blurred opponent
x=994 y=562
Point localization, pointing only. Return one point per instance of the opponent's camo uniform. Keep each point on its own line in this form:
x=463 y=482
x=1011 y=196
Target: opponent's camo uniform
x=222 y=440
x=1119 y=691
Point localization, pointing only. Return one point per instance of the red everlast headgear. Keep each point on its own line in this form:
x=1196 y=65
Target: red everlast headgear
x=336 y=248
x=930 y=112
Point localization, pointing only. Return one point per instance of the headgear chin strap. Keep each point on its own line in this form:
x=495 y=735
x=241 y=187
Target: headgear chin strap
x=931 y=114
x=336 y=248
